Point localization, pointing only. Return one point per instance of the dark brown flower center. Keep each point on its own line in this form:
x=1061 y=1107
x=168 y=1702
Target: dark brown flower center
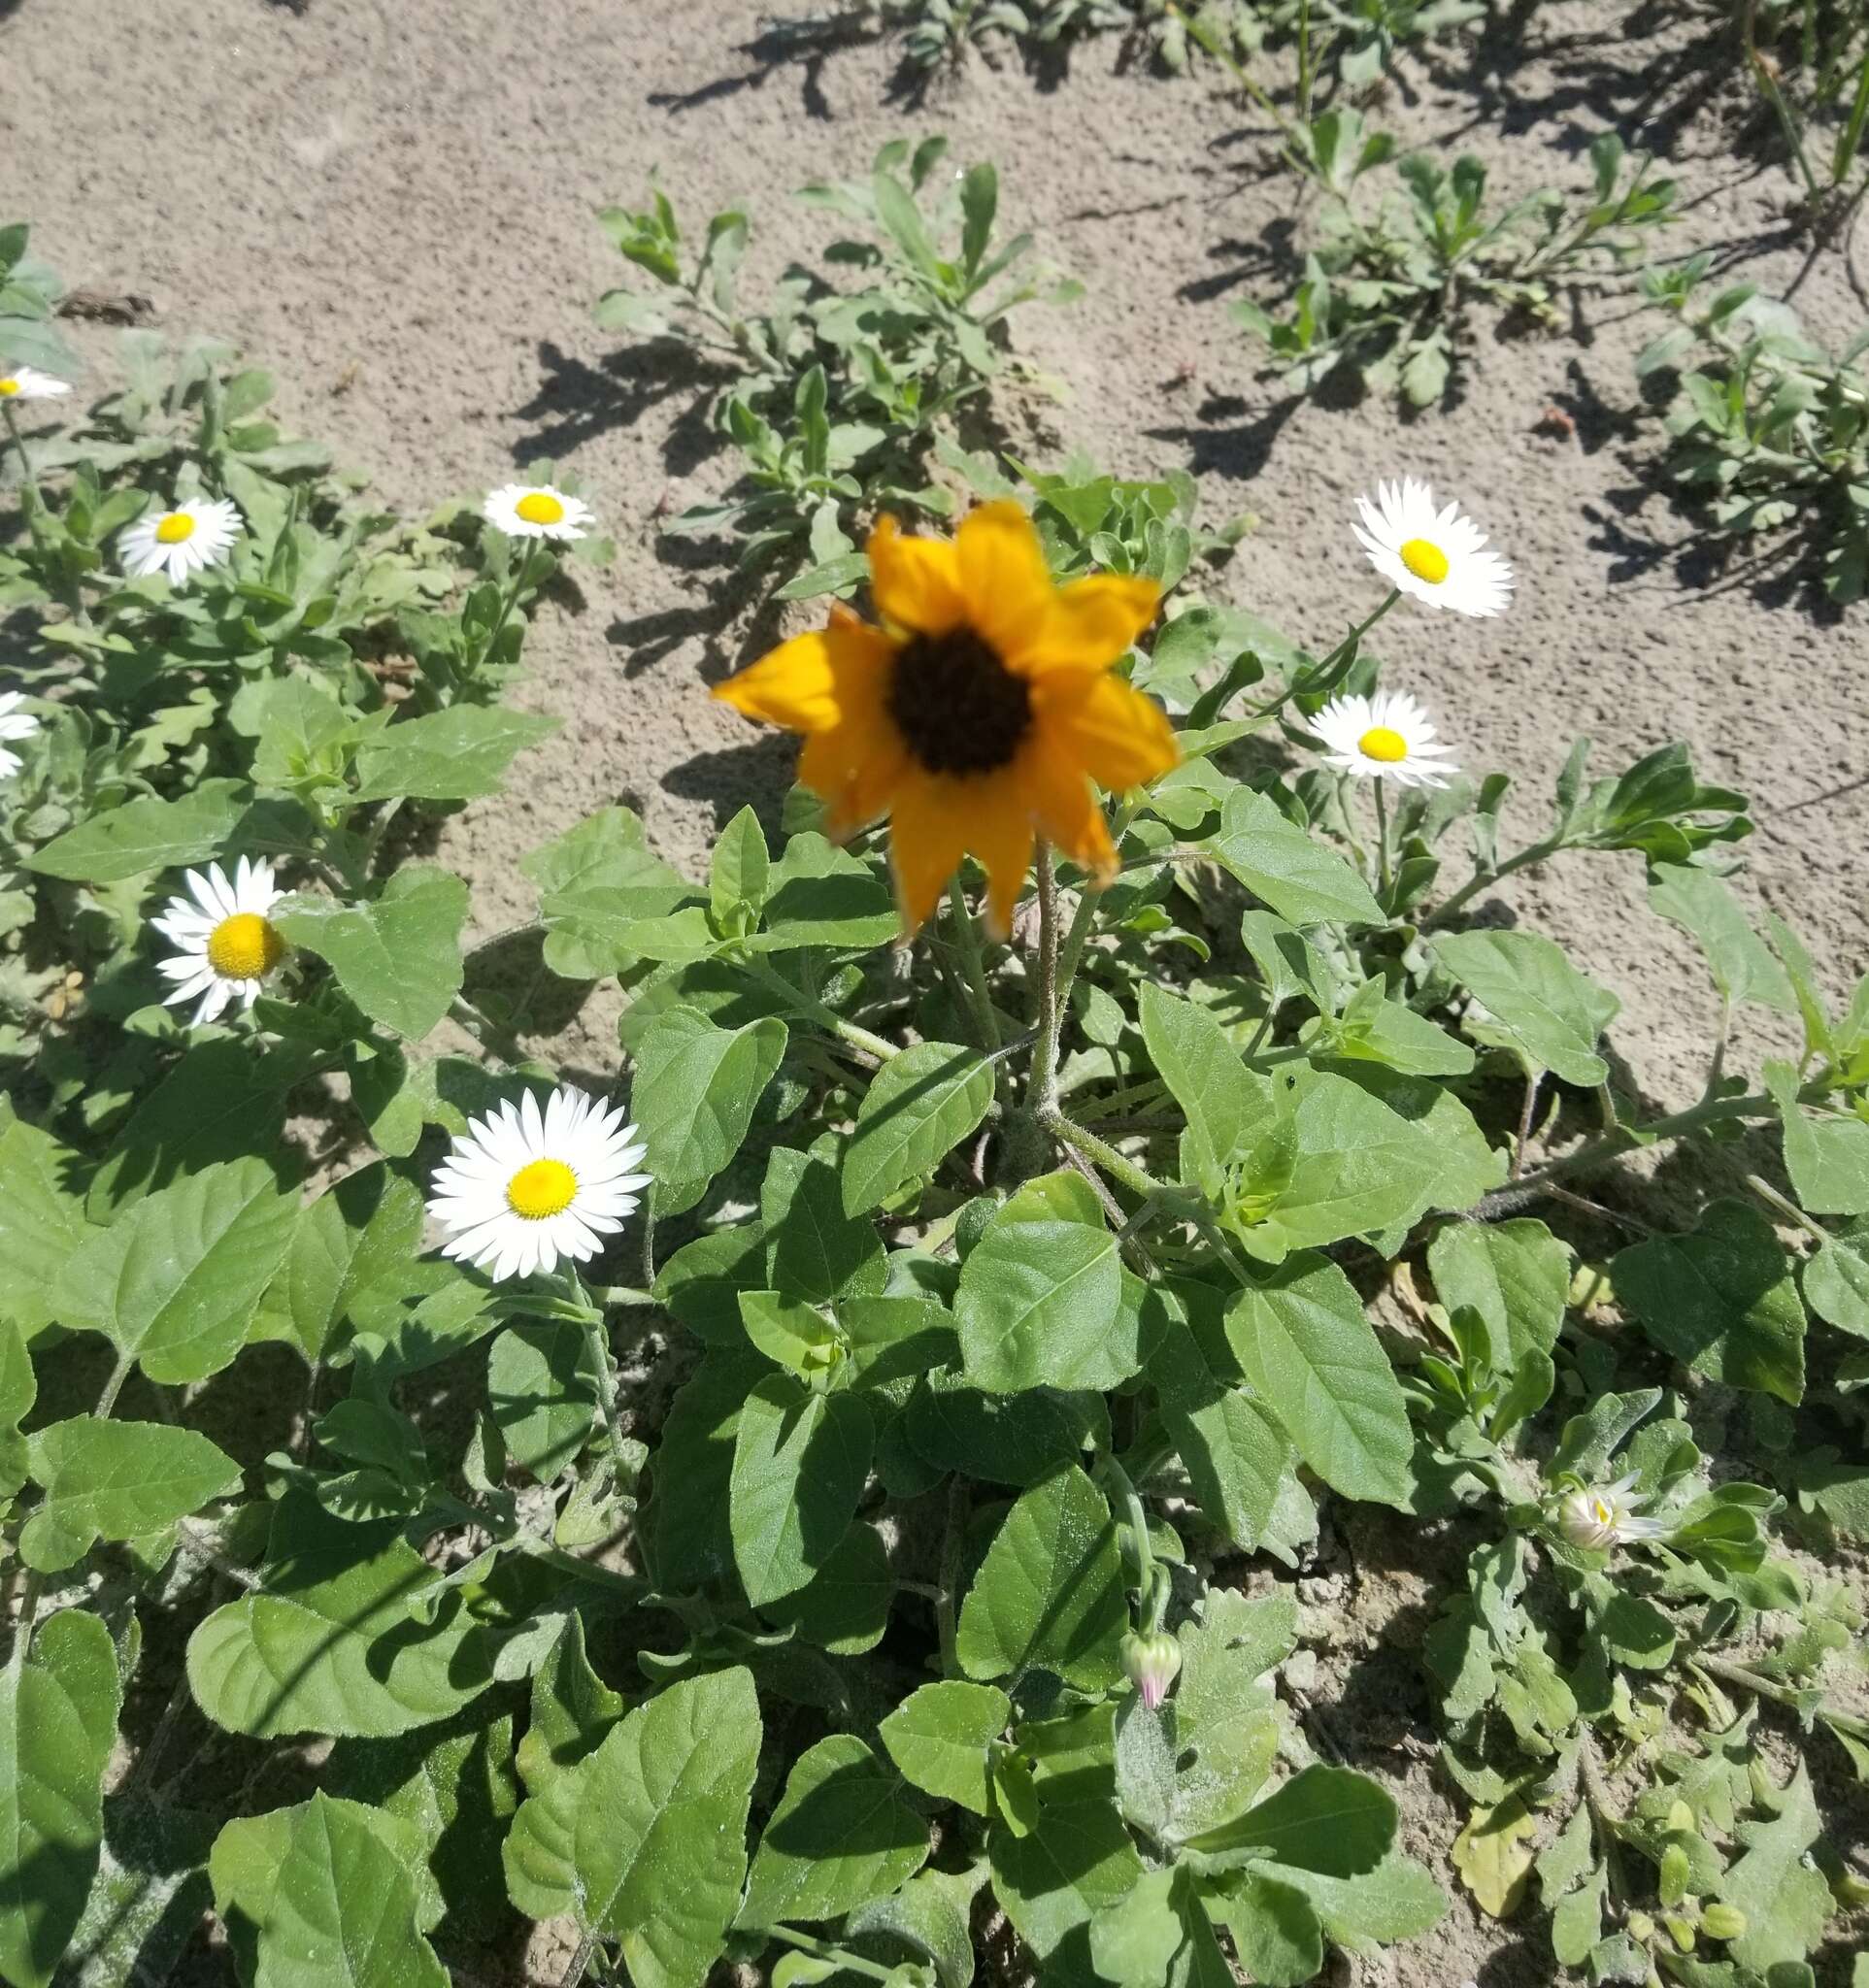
x=958 y=707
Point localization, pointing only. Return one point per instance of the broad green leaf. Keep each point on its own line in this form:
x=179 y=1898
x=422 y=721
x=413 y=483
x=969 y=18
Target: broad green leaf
x=541 y=1392
x=1396 y=1901
x=58 y=1710
x=1515 y=1275
x=148 y=1897
x=1537 y=1004
x=799 y=1463
x=1078 y=1862
x=324 y=1897
x=116 y=1480
x=894 y=1339
x=796 y=1334
x=1040 y=1304
x=457 y=754
x=939 y=1734
x=1303 y=1342
x=1205 y=1073
x=572 y=1709
x=1048 y=1595
x=1234 y=1449
x=1299 y=877
x=1013 y=1438
x=1721 y=1299
x=1835 y=1278
x=399 y=958
x=933 y=1913
x=1225 y=1718
x=1325 y=1819
x=741 y=870
x=1785 y=1899
x=919 y=1106
x=1577 y=1920
x=691 y=1474
x=693 y=1097
x=844 y=1607
x=361 y=1230
x=844 y=1833
x=645 y=1840
x=147 y=834
x=594 y=883
x=1826 y=1153
x=821 y=895
x=702 y=1283
x=176 y=1278
x=41 y=1220
x=1743 y=967
x=814 y=1249
x=330 y=1644
x=1136 y=1940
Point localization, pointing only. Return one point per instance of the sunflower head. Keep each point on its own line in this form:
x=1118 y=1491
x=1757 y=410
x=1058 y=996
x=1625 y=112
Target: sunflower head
x=977 y=714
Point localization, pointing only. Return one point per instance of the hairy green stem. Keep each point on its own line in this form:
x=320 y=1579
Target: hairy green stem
x=1138 y=1519
x=113 y=1386
x=823 y=1950
x=1044 y=1083
x=965 y=935
x=506 y=607
x=809 y=1008
x=598 y=1339
x=1485 y=878
x=1384 y=875
x=953 y=1542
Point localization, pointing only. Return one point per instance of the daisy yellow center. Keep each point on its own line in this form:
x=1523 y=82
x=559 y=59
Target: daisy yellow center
x=244 y=947
x=1425 y=560
x=1384 y=743
x=8 y=388
x=541 y=1189
x=540 y=507
x=171 y=529
x=1604 y=1515
x=958 y=706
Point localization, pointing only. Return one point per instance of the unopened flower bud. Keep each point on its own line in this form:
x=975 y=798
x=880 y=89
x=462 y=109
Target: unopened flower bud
x=1720 y=1921
x=1152 y=1661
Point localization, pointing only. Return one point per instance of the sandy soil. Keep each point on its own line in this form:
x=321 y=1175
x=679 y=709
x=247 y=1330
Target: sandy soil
x=389 y=203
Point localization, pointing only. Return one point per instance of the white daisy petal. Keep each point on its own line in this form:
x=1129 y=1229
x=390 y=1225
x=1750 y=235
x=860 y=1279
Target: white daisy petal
x=1384 y=737
x=1434 y=555
x=182 y=542
x=225 y=942
x=27 y=382
x=537 y=511
x=524 y=1188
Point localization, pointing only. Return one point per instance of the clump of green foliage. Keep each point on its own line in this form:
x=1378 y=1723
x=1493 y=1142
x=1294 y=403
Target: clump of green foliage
x=1769 y=433
x=1398 y=295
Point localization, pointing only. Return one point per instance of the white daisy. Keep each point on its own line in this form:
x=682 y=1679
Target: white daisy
x=1435 y=555
x=15 y=723
x=1606 y=1516
x=1384 y=737
x=536 y=510
x=27 y=382
x=185 y=540
x=228 y=943
x=520 y=1189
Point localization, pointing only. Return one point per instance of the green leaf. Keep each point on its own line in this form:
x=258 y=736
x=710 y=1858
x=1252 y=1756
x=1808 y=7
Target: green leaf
x=919 y=1106
x=822 y=895
x=1040 y=1304
x=1135 y=1940
x=1005 y=1439
x=1303 y=1342
x=692 y=1471
x=323 y=1895
x=58 y=1710
x=799 y=1463
x=797 y=1336
x=1515 y=1275
x=1325 y=1819
x=176 y=1280
x=1235 y=1450
x=933 y=1913
x=399 y=959
x=1723 y=1300
x=1743 y=967
x=1205 y=1073
x=572 y=1709
x=116 y=1480
x=1054 y=1881
x=329 y=1643
x=42 y=1220
x=542 y=1391
x=147 y=834
x=741 y=869
x=1275 y=1930
x=843 y=1833
x=693 y=1097
x=702 y=1283
x=1835 y=1280
x=1396 y=1901
x=1049 y=1594
x=594 y=883
x=1226 y=1720
x=1538 y=1005
x=362 y=1230
x=814 y=1249
x=1827 y=1155
x=1284 y=868
x=1787 y=1900
x=459 y=754
x=939 y=1734
x=645 y=1840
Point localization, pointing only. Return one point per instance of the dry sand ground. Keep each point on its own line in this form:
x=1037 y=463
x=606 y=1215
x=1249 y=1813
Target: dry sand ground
x=389 y=203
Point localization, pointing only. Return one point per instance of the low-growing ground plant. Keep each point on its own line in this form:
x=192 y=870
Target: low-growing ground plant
x=1769 y=433
x=1398 y=294
x=826 y=1486
x=1809 y=63
x=833 y=395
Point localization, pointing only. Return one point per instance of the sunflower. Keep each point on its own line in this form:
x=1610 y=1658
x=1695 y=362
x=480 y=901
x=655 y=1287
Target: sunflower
x=976 y=715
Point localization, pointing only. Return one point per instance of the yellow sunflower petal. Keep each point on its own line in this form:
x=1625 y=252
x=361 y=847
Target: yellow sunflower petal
x=855 y=766
x=1119 y=737
x=1003 y=577
x=915 y=582
x=928 y=837
x=802 y=684
x=1000 y=836
x=1066 y=810
x=1090 y=623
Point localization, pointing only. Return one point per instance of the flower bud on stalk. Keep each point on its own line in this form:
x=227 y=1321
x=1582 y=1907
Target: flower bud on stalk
x=1153 y=1660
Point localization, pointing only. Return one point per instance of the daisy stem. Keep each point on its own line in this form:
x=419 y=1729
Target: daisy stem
x=1778 y=1204
x=1385 y=875
x=1346 y=650
x=507 y=605
x=966 y=938
x=597 y=1337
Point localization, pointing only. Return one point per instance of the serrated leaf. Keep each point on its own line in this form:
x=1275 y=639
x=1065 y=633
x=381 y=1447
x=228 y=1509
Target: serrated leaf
x=843 y=1833
x=457 y=754
x=176 y=1280
x=1040 y=1303
x=645 y=1840
x=938 y=1736
x=1493 y=1855
x=1301 y=879
x=399 y=957
x=1048 y=1595
x=1538 y=1006
x=693 y=1096
x=1787 y=1900
x=147 y=834
x=116 y=1480
x=595 y=881
x=919 y=1106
